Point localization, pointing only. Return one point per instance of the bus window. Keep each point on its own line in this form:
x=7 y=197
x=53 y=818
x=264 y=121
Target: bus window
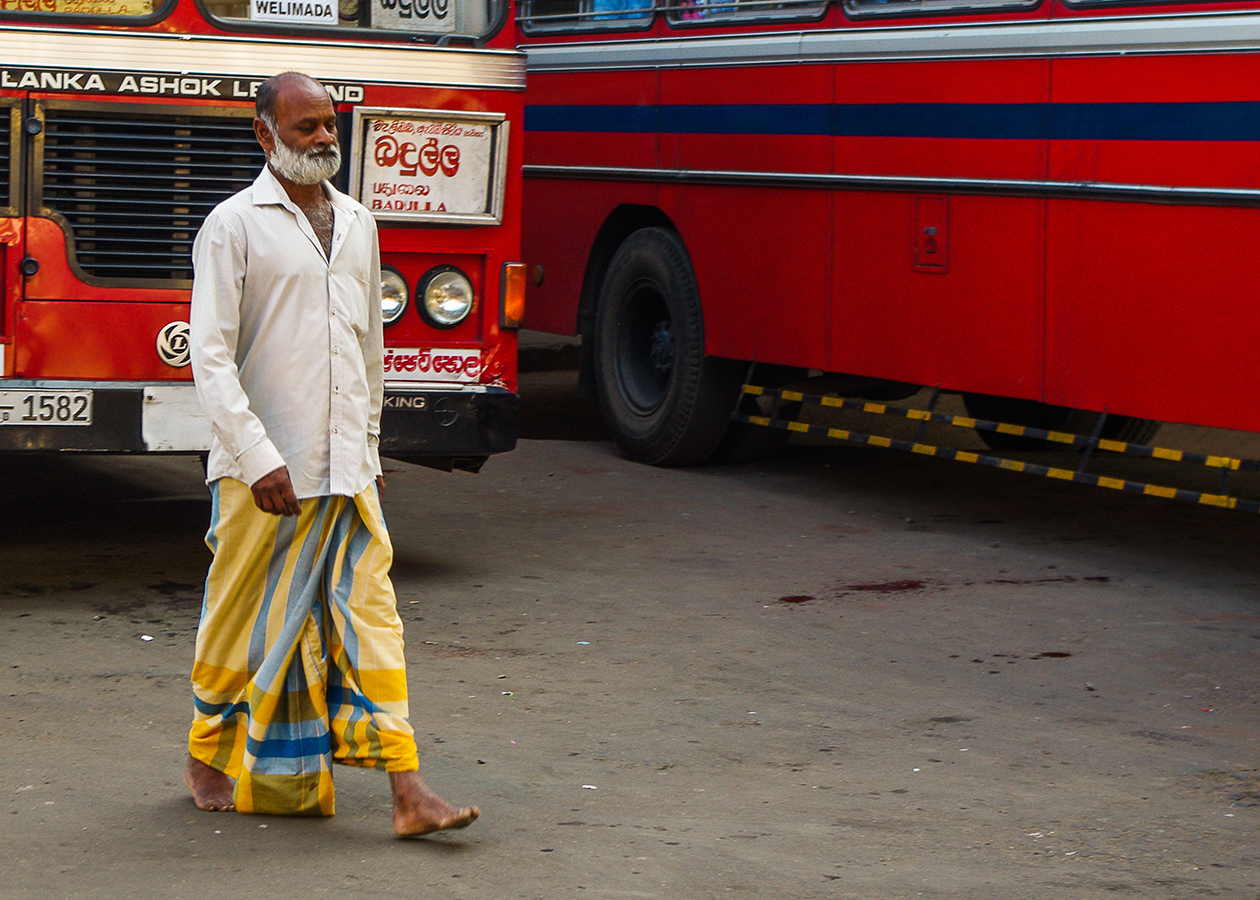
x=859 y=8
x=103 y=8
x=569 y=15
x=465 y=17
x=688 y=11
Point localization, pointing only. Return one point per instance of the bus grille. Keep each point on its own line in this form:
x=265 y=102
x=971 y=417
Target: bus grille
x=135 y=186
x=6 y=159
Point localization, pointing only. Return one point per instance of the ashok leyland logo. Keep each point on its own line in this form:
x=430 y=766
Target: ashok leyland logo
x=172 y=344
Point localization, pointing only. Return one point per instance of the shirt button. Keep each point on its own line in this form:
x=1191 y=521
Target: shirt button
x=336 y=430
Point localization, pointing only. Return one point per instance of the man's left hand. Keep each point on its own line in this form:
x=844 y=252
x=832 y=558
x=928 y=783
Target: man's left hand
x=380 y=485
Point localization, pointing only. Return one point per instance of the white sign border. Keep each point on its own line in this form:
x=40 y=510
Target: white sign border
x=498 y=164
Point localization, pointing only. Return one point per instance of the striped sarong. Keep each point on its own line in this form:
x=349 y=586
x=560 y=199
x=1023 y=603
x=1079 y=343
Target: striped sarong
x=299 y=658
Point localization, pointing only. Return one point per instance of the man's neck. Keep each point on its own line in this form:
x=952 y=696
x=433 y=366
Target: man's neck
x=302 y=194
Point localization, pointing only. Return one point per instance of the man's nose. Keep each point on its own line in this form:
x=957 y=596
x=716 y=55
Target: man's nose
x=326 y=135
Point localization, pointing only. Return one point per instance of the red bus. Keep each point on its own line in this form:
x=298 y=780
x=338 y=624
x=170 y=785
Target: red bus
x=1044 y=205
x=128 y=120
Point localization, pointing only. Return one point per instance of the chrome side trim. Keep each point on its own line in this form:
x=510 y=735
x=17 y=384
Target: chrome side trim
x=1183 y=33
x=244 y=57
x=1058 y=190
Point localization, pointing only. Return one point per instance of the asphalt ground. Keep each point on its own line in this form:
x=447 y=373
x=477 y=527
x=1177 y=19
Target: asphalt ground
x=841 y=673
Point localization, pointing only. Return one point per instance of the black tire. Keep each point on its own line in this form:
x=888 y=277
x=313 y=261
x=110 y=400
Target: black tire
x=1050 y=418
x=664 y=402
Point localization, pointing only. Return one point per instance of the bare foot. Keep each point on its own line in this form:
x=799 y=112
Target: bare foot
x=417 y=810
x=211 y=789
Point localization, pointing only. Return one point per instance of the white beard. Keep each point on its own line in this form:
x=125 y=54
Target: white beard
x=311 y=167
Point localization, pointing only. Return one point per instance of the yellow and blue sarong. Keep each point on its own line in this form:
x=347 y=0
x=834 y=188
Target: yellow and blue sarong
x=299 y=657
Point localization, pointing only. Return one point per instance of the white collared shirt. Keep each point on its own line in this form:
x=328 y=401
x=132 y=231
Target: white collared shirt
x=286 y=343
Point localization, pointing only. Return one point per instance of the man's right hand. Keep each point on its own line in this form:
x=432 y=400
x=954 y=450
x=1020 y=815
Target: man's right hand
x=273 y=493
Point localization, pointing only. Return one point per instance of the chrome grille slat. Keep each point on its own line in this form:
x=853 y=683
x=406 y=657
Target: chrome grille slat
x=106 y=190
x=6 y=160
x=135 y=184
x=92 y=142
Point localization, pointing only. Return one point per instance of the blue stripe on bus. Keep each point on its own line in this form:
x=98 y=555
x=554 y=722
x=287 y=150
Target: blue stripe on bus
x=1227 y=121
x=620 y=119
x=798 y=119
x=1021 y=121
x=1224 y=121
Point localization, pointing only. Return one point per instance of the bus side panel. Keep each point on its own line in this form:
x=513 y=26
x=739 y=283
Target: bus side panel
x=772 y=119
x=1152 y=306
x=933 y=288
x=592 y=119
x=89 y=340
x=763 y=266
x=974 y=325
x=588 y=119
x=1153 y=312
x=562 y=220
x=942 y=119
x=761 y=255
x=1160 y=120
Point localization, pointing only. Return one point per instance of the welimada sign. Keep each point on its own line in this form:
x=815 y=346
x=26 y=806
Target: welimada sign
x=148 y=85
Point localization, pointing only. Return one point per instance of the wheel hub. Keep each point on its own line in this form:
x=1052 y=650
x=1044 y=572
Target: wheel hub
x=661 y=352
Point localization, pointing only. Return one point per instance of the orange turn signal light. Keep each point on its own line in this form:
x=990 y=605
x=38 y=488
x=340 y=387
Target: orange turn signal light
x=513 y=293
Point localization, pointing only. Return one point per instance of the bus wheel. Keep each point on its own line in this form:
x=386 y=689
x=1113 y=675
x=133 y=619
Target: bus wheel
x=1050 y=418
x=664 y=401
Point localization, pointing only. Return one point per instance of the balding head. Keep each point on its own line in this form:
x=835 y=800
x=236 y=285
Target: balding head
x=286 y=83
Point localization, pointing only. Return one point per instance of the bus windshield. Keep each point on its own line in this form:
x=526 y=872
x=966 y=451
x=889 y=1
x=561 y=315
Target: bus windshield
x=110 y=8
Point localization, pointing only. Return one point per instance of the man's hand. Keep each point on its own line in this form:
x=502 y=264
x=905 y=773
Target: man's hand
x=273 y=493
x=380 y=485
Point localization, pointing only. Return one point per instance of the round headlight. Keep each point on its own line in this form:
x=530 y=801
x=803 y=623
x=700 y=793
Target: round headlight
x=393 y=296
x=445 y=297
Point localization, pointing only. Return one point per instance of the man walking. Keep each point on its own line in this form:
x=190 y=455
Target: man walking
x=299 y=656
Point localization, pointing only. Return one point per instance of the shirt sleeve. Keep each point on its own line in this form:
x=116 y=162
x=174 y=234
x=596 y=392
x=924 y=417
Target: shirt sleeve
x=219 y=257
x=374 y=352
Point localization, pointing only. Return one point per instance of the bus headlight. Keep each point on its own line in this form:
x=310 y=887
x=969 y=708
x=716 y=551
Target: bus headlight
x=393 y=295
x=445 y=296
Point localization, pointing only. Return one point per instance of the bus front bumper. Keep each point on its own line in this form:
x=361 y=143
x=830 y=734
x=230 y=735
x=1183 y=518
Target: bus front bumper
x=444 y=428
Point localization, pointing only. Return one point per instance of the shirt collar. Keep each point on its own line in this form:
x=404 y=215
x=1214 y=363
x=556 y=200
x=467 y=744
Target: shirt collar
x=268 y=191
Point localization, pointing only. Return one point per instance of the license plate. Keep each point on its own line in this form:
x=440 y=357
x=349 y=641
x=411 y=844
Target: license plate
x=45 y=407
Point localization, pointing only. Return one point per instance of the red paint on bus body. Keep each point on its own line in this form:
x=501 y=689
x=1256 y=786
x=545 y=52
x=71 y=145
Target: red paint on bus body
x=1142 y=309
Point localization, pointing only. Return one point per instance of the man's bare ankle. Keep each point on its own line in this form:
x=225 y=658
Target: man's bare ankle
x=211 y=789
x=418 y=809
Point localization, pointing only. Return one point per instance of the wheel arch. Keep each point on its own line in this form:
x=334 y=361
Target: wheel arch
x=620 y=224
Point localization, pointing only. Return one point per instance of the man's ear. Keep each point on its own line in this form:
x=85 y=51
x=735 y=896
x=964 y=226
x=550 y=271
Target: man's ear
x=266 y=139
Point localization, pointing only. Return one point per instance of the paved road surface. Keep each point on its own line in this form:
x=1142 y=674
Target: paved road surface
x=841 y=674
